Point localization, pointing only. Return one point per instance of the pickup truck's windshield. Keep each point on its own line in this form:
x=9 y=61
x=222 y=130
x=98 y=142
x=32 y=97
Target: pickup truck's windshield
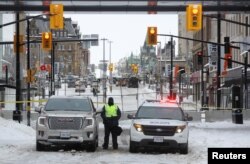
x=65 y=104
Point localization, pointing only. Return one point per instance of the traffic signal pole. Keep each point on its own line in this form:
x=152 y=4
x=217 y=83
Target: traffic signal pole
x=17 y=112
x=218 y=61
x=28 y=68
x=171 y=66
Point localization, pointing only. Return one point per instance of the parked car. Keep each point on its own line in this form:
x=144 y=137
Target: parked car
x=159 y=125
x=67 y=120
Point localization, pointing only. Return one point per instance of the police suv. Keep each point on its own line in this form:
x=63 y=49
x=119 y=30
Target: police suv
x=159 y=125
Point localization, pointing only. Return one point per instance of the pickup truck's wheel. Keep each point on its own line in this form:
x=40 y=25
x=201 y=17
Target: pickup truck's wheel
x=91 y=147
x=39 y=146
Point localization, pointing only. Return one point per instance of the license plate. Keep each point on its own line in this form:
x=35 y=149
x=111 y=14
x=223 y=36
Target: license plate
x=65 y=135
x=158 y=139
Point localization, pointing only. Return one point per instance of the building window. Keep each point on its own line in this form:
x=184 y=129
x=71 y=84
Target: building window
x=59 y=47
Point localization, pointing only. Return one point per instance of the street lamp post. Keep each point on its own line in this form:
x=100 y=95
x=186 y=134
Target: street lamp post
x=104 y=73
x=110 y=72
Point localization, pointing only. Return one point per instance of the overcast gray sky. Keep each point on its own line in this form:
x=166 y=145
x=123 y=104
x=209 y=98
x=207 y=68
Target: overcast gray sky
x=126 y=31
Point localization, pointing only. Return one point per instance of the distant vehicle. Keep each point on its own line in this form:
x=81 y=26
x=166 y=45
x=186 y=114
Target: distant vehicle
x=80 y=88
x=158 y=125
x=133 y=82
x=67 y=120
x=71 y=81
x=58 y=84
x=122 y=82
x=78 y=82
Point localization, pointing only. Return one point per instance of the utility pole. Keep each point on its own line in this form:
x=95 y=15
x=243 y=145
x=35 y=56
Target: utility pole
x=110 y=72
x=104 y=78
x=28 y=69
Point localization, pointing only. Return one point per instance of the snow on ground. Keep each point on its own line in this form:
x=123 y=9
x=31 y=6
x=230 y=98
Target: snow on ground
x=17 y=145
x=18 y=141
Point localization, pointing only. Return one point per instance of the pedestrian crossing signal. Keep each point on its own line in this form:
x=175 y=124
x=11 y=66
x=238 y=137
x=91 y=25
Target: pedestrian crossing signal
x=152 y=36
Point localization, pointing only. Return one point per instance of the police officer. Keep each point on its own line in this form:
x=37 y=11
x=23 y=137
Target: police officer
x=110 y=115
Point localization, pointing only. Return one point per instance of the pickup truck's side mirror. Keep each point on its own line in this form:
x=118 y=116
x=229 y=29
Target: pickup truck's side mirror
x=38 y=109
x=99 y=110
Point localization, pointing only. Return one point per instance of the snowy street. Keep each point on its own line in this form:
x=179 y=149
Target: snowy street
x=17 y=145
x=18 y=142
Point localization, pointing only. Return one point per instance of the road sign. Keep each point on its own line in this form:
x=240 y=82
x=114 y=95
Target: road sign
x=212 y=52
x=43 y=67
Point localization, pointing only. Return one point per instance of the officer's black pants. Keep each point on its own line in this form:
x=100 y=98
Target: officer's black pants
x=108 y=130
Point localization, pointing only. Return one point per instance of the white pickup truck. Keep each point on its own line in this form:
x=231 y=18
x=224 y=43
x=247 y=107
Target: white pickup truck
x=67 y=120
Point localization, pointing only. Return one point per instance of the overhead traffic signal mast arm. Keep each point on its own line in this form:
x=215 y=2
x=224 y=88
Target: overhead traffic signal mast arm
x=124 y=8
x=197 y=40
x=21 y=20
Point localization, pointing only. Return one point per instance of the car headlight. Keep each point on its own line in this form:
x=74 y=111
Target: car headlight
x=88 y=122
x=138 y=127
x=180 y=129
x=41 y=121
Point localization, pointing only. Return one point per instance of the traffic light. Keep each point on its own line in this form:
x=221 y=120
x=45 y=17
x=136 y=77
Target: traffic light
x=136 y=69
x=199 y=58
x=194 y=17
x=152 y=36
x=56 y=17
x=182 y=70
x=31 y=75
x=47 y=40
x=21 y=43
x=111 y=67
x=132 y=67
x=229 y=61
x=227 y=45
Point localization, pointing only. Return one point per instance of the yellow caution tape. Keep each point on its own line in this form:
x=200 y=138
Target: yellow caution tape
x=41 y=100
